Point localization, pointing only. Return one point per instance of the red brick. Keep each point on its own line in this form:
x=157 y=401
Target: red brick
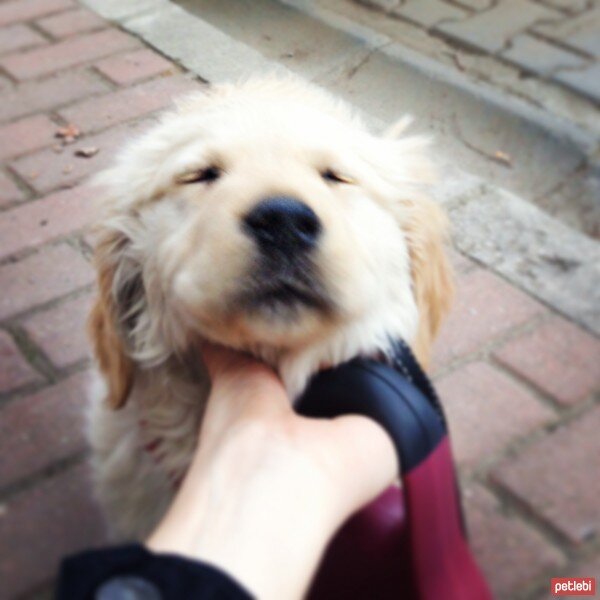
x=46 y=170
x=559 y=358
x=26 y=135
x=15 y=371
x=6 y=85
x=36 y=96
x=557 y=477
x=18 y=37
x=485 y=307
x=23 y=10
x=40 y=221
x=42 y=524
x=590 y=568
x=124 y=105
x=67 y=53
x=41 y=429
x=486 y=411
x=60 y=331
x=510 y=552
x=125 y=69
x=71 y=22
x=40 y=278
x=9 y=192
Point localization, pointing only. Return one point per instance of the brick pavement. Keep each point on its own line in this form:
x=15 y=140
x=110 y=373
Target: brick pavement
x=518 y=380
x=556 y=40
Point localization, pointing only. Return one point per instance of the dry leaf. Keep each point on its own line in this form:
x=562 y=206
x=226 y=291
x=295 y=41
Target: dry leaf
x=503 y=157
x=87 y=152
x=68 y=134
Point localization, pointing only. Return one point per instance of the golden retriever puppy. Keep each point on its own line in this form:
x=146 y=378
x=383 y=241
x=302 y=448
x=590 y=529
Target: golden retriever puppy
x=266 y=217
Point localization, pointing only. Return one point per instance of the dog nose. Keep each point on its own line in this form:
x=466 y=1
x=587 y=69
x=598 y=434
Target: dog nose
x=283 y=223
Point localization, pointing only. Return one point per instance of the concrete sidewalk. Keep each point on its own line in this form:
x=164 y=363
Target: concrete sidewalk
x=519 y=381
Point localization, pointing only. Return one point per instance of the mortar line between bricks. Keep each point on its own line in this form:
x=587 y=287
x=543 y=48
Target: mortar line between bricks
x=32 y=353
x=54 y=119
x=512 y=506
x=483 y=352
x=24 y=314
x=545 y=397
x=35 y=27
x=480 y=471
x=32 y=480
x=539 y=522
x=81 y=65
x=122 y=26
x=60 y=105
x=538 y=586
x=99 y=130
x=24 y=253
x=8 y=398
x=542 y=301
x=20 y=183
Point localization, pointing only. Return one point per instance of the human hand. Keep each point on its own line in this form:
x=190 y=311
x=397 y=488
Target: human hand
x=267 y=488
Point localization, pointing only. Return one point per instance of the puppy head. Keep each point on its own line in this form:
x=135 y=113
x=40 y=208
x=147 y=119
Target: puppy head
x=266 y=217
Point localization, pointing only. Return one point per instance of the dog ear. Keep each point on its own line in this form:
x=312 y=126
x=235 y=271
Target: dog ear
x=426 y=231
x=104 y=325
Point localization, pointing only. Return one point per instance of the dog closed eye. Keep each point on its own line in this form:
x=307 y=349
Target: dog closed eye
x=334 y=177
x=206 y=175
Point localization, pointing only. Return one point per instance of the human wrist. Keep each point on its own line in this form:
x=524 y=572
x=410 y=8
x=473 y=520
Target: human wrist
x=268 y=539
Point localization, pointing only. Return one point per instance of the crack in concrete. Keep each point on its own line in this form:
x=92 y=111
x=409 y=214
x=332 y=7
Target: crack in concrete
x=498 y=157
x=354 y=69
x=579 y=170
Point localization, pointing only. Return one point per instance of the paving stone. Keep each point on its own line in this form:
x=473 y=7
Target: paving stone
x=509 y=551
x=429 y=12
x=40 y=221
x=41 y=525
x=580 y=32
x=557 y=477
x=36 y=96
x=381 y=4
x=124 y=105
x=17 y=37
x=23 y=10
x=67 y=53
x=476 y=4
x=487 y=411
x=71 y=22
x=490 y=30
x=539 y=56
x=586 y=81
x=42 y=277
x=15 y=371
x=9 y=192
x=46 y=170
x=567 y=5
x=60 y=331
x=43 y=428
x=26 y=135
x=485 y=307
x=557 y=357
x=125 y=69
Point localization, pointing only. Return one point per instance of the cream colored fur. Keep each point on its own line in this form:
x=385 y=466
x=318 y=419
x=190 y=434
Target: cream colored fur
x=172 y=260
